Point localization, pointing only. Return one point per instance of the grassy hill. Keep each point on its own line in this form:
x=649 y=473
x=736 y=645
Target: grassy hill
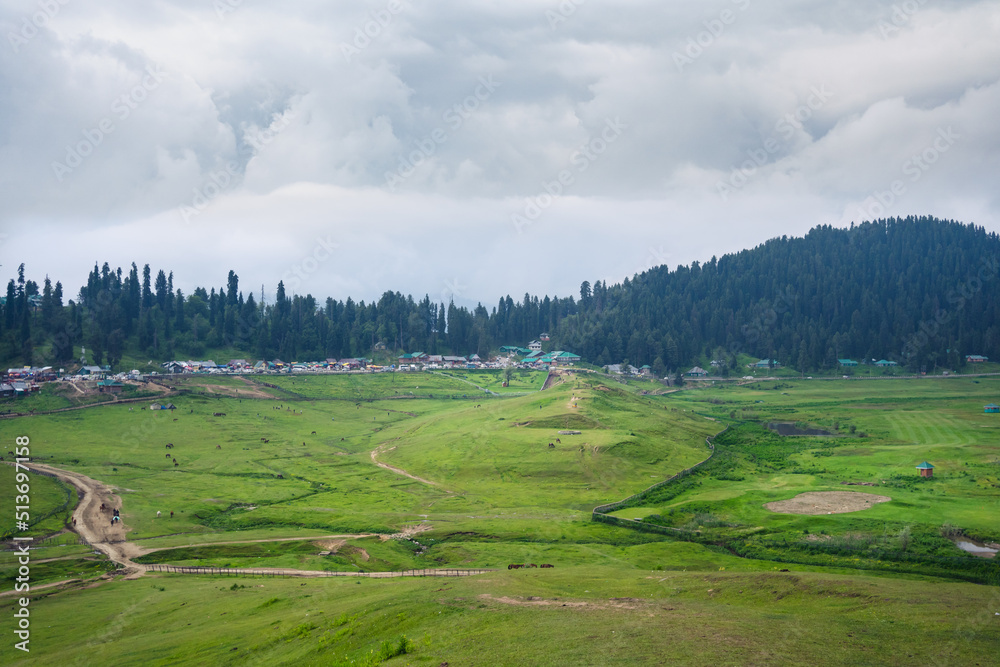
x=475 y=482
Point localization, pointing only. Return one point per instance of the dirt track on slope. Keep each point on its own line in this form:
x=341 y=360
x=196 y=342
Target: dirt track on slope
x=94 y=525
x=399 y=471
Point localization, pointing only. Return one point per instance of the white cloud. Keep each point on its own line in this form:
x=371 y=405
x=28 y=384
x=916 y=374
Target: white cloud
x=309 y=134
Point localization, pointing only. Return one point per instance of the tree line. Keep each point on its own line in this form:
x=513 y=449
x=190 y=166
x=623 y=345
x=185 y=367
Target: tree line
x=918 y=290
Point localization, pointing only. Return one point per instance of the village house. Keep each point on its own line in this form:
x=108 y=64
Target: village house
x=883 y=363
x=976 y=358
x=696 y=372
x=847 y=363
x=535 y=346
x=110 y=387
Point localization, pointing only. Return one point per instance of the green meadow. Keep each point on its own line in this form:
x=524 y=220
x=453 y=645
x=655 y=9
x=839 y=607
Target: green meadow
x=480 y=481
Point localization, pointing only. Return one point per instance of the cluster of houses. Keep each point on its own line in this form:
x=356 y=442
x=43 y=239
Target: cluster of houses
x=272 y=366
x=417 y=360
x=884 y=363
x=881 y=363
x=628 y=369
x=511 y=355
x=23 y=381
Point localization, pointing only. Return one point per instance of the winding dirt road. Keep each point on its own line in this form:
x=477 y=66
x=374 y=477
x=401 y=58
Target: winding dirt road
x=94 y=525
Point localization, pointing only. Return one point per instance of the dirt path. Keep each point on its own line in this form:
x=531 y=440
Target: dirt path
x=399 y=471
x=93 y=524
x=40 y=587
x=149 y=550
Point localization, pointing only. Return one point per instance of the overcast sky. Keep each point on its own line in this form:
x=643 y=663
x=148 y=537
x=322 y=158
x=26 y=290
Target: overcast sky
x=471 y=150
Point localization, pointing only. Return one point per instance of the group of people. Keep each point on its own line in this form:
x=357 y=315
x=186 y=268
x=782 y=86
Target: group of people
x=115 y=518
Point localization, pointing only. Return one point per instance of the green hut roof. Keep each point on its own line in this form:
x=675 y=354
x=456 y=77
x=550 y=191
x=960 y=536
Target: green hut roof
x=925 y=466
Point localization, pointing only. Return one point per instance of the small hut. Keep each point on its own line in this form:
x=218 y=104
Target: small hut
x=992 y=407
x=926 y=469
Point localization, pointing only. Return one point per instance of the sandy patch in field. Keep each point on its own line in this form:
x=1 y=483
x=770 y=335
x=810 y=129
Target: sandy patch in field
x=827 y=502
x=331 y=545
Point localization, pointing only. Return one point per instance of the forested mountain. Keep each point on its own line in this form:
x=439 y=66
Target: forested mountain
x=919 y=291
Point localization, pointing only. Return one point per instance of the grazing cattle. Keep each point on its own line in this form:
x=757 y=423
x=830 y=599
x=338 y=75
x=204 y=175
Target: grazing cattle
x=558 y=440
x=218 y=446
x=313 y=433
x=263 y=440
x=171 y=515
x=515 y=566
x=551 y=446
x=267 y=440
x=546 y=565
x=167 y=455
x=218 y=414
x=175 y=420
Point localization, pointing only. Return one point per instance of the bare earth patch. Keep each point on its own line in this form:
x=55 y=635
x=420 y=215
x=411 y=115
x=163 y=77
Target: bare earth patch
x=827 y=502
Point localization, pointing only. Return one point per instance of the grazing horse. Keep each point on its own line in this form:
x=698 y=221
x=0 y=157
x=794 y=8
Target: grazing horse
x=515 y=566
x=218 y=446
x=546 y=565
x=531 y=565
x=314 y=433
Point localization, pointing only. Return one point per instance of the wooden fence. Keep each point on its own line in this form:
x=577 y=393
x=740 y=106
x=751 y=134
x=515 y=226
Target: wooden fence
x=252 y=572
